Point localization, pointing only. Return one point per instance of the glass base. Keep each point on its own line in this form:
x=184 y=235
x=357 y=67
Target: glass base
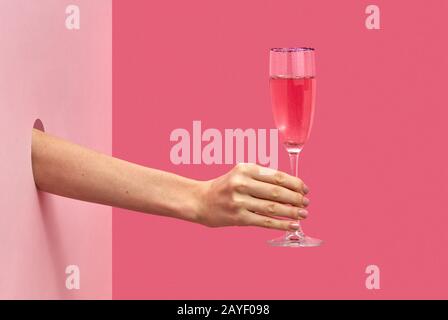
x=295 y=239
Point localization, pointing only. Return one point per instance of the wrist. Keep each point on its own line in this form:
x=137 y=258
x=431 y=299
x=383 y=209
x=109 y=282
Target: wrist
x=190 y=204
x=197 y=203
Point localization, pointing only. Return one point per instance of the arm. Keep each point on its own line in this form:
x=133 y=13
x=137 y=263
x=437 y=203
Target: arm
x=70 y=170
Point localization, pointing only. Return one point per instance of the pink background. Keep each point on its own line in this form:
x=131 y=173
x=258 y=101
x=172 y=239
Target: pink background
x=64 y=78
x=375 y=162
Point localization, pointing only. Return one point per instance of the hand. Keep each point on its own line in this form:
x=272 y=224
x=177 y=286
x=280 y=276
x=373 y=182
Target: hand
x=251 y=195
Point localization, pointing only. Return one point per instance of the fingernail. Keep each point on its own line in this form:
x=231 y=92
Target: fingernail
x=294 y=226
x=303 y=213
x=305 y=201
x=305 y=189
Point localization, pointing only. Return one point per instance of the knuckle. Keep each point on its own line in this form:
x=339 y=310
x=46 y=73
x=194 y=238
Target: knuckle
x=236 y=202
x=275 y=193
x=235 y=182
x=293 y=213
x=244 y=168
x=279 y=178
x=268 y=223
x=241 y=188
x=271 y=208
x=240 y=185
x=241 y=167
x=299 y=200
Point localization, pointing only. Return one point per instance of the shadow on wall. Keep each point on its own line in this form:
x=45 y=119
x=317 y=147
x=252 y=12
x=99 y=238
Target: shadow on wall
x=54 y=240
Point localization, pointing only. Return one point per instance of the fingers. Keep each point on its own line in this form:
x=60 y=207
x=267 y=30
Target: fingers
x=265 y=196
x=267 y=191
x=257 y=220
x=278 y=178
x=271 y=208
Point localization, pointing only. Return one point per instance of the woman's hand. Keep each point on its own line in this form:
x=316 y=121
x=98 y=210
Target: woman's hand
x=251 y=195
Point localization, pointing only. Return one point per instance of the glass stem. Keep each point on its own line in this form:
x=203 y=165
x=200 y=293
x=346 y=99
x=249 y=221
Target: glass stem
x=294 y=161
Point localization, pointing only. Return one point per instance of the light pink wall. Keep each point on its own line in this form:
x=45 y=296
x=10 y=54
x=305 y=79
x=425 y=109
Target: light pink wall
x=64 y=78
x=376 y=161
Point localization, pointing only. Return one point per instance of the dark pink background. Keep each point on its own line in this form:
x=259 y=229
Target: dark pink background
x=375 y=162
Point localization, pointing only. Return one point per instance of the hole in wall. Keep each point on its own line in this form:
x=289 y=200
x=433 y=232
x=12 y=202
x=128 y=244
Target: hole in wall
x=38 y=124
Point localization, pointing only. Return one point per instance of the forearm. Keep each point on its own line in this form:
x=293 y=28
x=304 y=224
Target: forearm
x=70 y=170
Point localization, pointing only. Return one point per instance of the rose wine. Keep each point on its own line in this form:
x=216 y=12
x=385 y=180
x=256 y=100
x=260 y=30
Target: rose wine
x=293 y=106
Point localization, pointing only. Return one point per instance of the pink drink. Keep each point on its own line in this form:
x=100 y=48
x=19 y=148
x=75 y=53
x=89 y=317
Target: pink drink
x=293 y=106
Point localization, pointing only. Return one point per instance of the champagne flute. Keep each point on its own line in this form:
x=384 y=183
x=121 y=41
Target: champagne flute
x=293 y=88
